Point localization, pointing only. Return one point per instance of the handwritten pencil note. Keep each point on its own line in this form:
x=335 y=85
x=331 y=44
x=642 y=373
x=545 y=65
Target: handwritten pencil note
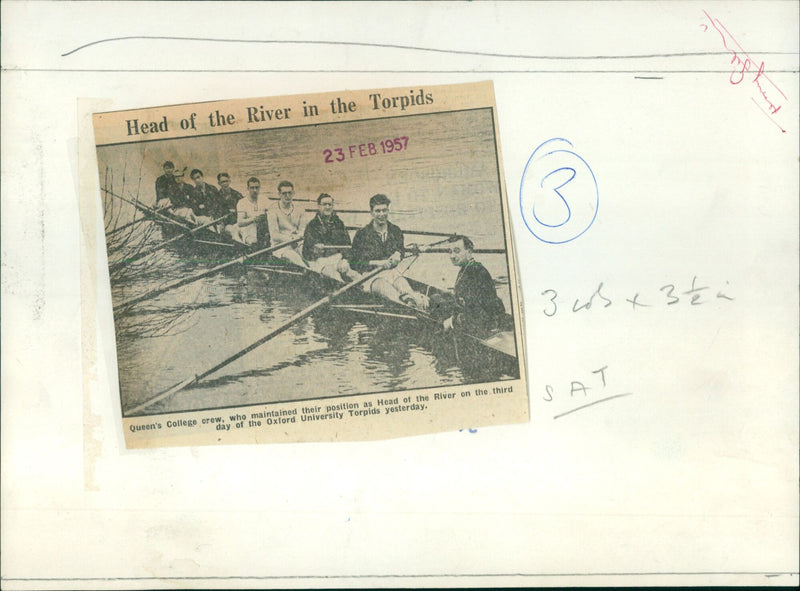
x=649 y=162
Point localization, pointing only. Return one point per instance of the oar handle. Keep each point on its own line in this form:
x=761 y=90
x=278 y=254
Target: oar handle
x=412 y=232
x=476 y=251
x=295 y=199
x=150 y=210
x=394 y=211
x=148 y=251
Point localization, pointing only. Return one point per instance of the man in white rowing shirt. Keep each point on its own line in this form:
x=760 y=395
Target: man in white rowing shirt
x=381 y=244
x=287 y=222
x=251 y=213
x=324 y=233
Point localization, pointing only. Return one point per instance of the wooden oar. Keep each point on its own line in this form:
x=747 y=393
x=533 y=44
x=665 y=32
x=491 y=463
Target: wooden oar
x=148 y=210
x=412 y=232
x=205 y=273
x=157 y=247
x=294 y=199
x=476 y=250
x=272 y=334
x=136 y=221
x=394 y=211
x=314 y=209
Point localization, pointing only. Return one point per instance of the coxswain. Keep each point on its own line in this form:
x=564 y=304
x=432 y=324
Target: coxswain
x=287 y=222
x=206 y=203
x=381 y=244
x=162 y=184
x=229 y=199
x=324 y=231
x=478 y=309
x=251 y=215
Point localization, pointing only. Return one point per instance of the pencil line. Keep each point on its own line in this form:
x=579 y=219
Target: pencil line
x=592 y=404
x=400 y=576
x=352 y=71
x=399 y=46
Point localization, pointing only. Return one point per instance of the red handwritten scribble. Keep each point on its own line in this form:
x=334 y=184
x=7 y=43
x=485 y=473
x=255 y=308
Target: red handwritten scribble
x=765 y=90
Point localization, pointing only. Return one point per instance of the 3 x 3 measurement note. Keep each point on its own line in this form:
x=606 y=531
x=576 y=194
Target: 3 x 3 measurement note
x=667 y=295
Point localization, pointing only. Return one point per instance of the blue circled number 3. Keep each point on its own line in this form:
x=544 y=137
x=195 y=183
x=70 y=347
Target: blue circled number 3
x=552 y=213
x=568 y=211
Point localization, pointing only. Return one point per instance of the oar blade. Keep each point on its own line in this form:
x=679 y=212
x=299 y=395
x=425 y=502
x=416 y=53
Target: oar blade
x=162 y=395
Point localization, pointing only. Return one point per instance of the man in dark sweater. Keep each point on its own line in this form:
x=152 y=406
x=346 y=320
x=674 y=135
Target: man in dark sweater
x=380 y=244
x=164 y=182
x=206 y=203
x=172 y=192
x=229 y=198
x=478 y=309
x=322 y=235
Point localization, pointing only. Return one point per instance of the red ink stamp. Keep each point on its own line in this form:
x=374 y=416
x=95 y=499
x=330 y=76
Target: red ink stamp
x=365 y=150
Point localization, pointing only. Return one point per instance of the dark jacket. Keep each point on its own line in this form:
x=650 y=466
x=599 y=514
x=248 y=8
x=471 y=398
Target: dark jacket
x=330 y=232
x=479 y=309
x=368 y=246
x=206 y=201
x=162 y=185
x=229 y=201
x=178 y=193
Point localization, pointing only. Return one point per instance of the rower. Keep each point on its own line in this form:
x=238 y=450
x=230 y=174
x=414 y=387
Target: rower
x=287 y=223
x=326 y=230
x=163 y=182
x=206 y=203
x=229 y=198
x=178 y=194
x=252 y=216
x=381 y=244
x=478 y=309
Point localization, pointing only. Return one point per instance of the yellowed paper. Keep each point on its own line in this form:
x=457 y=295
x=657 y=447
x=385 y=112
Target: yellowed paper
x=329 y=350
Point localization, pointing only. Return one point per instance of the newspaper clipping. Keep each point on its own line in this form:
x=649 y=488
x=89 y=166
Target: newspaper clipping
x=322 y=267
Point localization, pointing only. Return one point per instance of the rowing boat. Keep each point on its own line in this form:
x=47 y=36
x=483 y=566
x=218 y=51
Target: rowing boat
x=497 y=350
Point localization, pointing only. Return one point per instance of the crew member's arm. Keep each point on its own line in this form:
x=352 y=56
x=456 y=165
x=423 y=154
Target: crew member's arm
x=359 y=252
x=397 y=241
x=301 y=227
x=243 y=217
x=312 y=247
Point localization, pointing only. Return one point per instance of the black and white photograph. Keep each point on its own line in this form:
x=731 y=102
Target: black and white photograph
x=309 y=262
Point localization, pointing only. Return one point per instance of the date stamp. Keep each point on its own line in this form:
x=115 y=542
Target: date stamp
x=387 y=146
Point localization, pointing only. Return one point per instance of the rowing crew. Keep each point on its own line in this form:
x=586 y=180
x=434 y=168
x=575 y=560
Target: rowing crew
x=326 y=245
x=244 y=219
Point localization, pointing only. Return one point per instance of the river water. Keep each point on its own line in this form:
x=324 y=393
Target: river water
x=446 y=180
